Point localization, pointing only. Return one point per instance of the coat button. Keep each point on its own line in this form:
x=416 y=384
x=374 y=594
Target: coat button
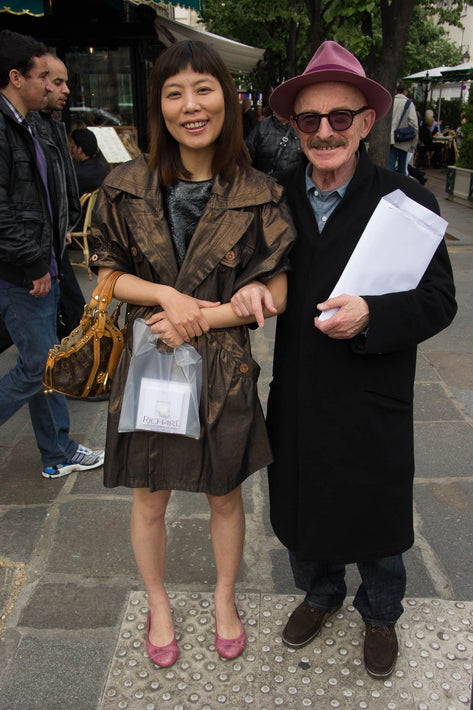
x=230 y=255
x=244 y=368
x=134 y=251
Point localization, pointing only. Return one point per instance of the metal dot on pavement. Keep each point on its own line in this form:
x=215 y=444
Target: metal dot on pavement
x=433 y=670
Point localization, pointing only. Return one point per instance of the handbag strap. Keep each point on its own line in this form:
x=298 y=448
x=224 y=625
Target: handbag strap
x=406 y=106
x=101 y=297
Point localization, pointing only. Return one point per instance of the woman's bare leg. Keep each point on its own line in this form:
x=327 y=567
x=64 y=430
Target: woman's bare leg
x=149 y=537
x=227 y=531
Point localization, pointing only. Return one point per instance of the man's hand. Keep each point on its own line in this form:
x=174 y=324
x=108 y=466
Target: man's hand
x=351 y=318
x=42 y=286
x=68 y=238
x=251 y=300
x=166 y=332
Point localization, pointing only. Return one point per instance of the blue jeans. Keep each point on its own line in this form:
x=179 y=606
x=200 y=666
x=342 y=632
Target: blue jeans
x=379 y=596
x=31 y=323
x=398 y=157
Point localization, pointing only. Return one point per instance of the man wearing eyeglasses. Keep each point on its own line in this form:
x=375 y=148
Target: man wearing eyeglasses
x=340 y=410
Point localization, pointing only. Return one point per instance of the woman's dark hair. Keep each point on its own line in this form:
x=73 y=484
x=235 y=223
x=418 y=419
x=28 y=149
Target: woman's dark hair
x=230 y=150
x=17 y=52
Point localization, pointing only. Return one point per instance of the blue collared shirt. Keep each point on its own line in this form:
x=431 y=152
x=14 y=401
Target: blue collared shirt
x=323 y=202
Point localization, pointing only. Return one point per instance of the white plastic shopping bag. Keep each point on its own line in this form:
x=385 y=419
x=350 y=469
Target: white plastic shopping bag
x=162 y=391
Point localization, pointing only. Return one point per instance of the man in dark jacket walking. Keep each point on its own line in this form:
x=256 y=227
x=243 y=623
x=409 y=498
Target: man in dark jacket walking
x=31 y=245
x=340 y=410
x=66 y=204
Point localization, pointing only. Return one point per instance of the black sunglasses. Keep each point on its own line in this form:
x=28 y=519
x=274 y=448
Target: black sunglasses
x=340 y=120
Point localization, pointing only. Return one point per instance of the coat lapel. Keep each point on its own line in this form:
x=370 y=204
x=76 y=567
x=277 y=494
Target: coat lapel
x=146 y=218
x=222 y=224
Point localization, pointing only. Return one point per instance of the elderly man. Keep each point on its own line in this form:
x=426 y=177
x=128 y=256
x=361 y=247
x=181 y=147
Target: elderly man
x=340 y=411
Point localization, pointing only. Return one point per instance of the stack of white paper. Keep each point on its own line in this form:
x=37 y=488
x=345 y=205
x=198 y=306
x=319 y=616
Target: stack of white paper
x=394 y=250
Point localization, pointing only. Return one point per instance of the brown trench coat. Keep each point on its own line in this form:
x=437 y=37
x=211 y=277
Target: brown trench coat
x=244 y=233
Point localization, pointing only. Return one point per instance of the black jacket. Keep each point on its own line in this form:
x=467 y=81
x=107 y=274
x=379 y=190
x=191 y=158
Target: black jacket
x=273 y=146
x=26 y=229
x=53 y=133
x=90 y=174
x=340 y=412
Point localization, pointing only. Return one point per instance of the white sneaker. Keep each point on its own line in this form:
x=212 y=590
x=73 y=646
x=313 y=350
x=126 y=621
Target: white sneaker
x=83 y=460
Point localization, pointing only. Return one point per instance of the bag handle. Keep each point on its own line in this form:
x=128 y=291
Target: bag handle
x=101 y=297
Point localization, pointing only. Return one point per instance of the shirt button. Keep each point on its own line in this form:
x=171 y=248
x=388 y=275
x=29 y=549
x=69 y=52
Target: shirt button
x=324 y=218
x=316 y=193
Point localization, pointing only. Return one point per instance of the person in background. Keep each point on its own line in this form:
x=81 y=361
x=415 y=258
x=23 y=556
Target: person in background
x=403 y=108
x=188 y=226
x=31 y=246
x=53 y=132
x=273 y=145
x=427 y=145
x=249 y=117
x=128 y=139
x=340 y=409
x=90 y=170
x=459 y=130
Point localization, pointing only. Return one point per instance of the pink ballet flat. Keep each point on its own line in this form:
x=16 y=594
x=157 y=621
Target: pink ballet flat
x=163 y=656
x=230 y=648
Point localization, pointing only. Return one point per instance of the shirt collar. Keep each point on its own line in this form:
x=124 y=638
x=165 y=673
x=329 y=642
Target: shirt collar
x=19 y=117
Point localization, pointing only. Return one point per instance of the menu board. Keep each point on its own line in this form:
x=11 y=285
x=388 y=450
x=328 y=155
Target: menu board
x=110 y=144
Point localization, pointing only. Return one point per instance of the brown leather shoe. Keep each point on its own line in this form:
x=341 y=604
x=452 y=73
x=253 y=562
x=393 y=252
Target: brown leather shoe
x=380 y=650
x=305 y=624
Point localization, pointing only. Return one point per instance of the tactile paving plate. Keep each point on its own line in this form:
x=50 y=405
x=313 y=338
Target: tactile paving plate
x=433 y=671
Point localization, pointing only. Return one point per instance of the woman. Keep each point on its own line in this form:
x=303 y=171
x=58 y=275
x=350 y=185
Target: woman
x=189 y=227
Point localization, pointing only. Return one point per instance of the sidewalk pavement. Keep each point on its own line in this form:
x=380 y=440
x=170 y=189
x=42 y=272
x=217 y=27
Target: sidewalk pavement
x=73 y=607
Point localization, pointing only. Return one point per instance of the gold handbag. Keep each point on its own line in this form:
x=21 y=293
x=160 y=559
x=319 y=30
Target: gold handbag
x=83 y=363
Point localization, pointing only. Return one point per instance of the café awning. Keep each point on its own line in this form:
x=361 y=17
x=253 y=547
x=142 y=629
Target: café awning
x=460 y=72
x=431 y=74
x=239 y=58
x=189 y=4
x=34 y=8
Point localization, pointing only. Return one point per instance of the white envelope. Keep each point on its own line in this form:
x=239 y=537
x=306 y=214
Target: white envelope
x=394 y=250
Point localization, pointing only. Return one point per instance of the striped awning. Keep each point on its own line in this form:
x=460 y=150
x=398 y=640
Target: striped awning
x=35 y=8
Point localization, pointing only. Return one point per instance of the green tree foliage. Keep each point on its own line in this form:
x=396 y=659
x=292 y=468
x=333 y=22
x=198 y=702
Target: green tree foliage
x=428 y=45
x=389 y=37
x=278 y=26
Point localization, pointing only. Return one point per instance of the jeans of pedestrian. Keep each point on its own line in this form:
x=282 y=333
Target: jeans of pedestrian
x=398 y=160
x=379 y=596
x=31 y=323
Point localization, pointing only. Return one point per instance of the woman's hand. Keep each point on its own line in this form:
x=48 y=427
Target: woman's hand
x=184 y=312
x=161 y=326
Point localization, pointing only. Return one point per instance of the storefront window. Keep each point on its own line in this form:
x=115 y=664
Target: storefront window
x=100 y=85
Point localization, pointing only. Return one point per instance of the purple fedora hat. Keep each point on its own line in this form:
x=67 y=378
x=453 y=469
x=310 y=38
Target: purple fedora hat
x=331 y=62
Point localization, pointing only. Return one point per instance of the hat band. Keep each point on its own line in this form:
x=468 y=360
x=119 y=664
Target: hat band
x=337 y=67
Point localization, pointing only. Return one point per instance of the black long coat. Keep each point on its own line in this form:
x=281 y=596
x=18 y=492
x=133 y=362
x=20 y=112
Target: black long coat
x=340 y=412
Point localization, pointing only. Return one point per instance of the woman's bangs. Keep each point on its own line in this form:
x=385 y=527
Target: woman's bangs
x=180 y=56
